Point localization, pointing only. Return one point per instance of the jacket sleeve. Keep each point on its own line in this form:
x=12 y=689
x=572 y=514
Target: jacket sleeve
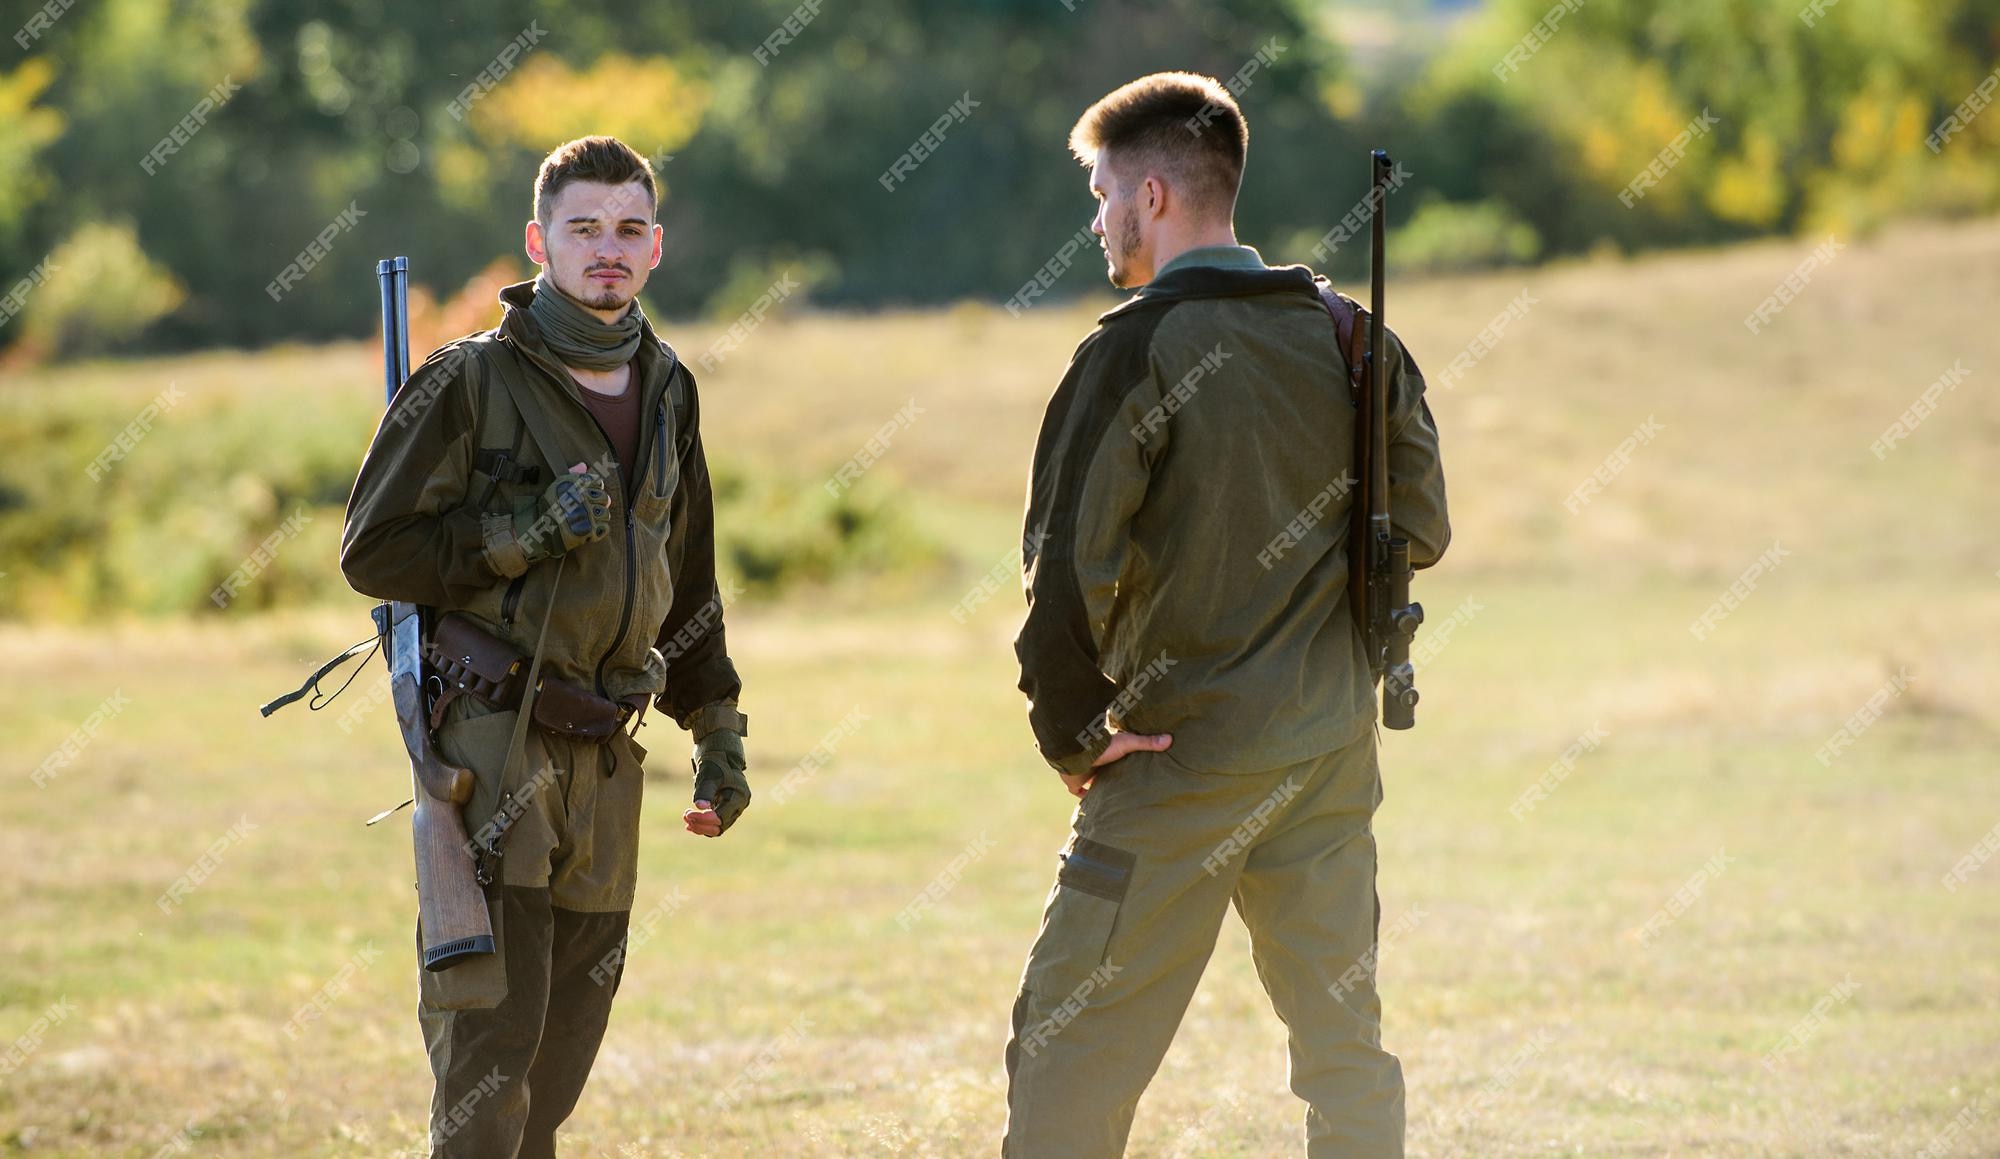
x=690 y=639
x=1093 y=461
x=1416 y=474
x=410 y=532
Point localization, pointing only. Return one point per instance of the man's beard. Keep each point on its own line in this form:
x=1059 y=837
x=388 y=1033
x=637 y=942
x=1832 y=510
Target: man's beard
x=598 y=297
x=1119 y=250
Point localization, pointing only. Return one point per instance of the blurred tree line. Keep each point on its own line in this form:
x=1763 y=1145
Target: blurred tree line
x=350 y=117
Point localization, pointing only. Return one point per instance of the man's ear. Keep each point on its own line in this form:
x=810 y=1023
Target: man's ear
x=537 y=245
x=658 y=248
x=1155 y=196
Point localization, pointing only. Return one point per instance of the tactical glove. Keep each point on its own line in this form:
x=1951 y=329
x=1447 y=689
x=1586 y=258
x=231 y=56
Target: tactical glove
x=575 y=510
x=718 y=761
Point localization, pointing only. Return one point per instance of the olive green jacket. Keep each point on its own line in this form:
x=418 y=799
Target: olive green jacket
x=430 y=519
x=1185 y=555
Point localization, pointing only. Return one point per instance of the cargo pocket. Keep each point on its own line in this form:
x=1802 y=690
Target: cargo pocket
x=478 y=742
x=1082 y=912
x=476 y=983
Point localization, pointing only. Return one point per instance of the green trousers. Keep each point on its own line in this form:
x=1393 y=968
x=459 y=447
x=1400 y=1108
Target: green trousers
x=512 y=1036
x=1158 y=853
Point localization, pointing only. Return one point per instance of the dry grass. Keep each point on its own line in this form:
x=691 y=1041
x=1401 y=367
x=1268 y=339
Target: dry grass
x=1527 y=948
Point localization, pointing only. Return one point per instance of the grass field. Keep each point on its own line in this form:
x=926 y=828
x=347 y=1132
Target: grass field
x=1546 y=992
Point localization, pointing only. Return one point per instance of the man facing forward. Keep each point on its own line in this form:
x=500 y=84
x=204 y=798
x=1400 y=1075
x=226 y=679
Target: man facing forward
x=1204 y=694
x=555 y=464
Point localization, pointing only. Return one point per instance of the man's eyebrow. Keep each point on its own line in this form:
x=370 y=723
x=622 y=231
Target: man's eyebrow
x=591 y=219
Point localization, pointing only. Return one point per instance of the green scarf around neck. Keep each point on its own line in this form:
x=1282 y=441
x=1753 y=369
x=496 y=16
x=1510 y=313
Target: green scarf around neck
x=577 y=336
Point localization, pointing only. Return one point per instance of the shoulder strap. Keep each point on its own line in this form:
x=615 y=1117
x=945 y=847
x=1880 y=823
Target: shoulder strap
x=537 y=420
x=1350 y=327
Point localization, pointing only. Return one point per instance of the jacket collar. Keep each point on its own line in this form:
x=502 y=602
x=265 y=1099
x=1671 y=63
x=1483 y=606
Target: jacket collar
x=1178 y=283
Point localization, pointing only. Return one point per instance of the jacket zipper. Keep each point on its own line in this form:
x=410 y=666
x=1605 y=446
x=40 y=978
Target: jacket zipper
x=631 y=565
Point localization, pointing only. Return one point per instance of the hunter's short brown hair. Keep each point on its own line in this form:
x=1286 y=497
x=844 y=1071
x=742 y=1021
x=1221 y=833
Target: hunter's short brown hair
x=605 y=159
x=1182 y=123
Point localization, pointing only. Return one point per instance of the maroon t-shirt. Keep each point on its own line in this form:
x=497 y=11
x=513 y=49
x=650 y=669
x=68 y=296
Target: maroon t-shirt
x=618 y=417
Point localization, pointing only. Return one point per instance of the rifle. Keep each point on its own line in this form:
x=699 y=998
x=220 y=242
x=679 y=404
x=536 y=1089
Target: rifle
x=1379 y=569
x=451 y=904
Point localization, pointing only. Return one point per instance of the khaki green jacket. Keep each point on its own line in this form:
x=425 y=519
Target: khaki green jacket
x=1185 y=555
x=431 y=514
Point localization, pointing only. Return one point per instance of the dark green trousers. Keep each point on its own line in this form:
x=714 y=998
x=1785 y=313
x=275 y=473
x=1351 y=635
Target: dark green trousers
x=508 y=1075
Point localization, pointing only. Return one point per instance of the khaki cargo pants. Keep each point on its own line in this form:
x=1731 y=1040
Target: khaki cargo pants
x=1158 y=854
x=512 y=1036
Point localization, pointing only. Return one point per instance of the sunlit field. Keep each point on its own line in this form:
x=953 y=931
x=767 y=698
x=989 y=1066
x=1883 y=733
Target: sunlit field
x=1724 y=928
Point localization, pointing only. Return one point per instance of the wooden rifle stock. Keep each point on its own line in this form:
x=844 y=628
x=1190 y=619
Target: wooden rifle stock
x=453 y=921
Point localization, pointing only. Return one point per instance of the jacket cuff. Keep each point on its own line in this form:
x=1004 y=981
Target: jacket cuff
x=721 y=714
x=1095 y=740
x=502 y=552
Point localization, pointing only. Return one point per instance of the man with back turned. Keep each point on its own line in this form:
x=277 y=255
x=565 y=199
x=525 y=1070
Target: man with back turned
x=1192 y=668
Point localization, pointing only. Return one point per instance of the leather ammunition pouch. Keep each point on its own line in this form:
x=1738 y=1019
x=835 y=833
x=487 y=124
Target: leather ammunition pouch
x=472 y=662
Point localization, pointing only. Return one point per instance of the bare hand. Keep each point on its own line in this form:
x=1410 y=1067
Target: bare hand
x=702 y=820
x=1122 y=744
